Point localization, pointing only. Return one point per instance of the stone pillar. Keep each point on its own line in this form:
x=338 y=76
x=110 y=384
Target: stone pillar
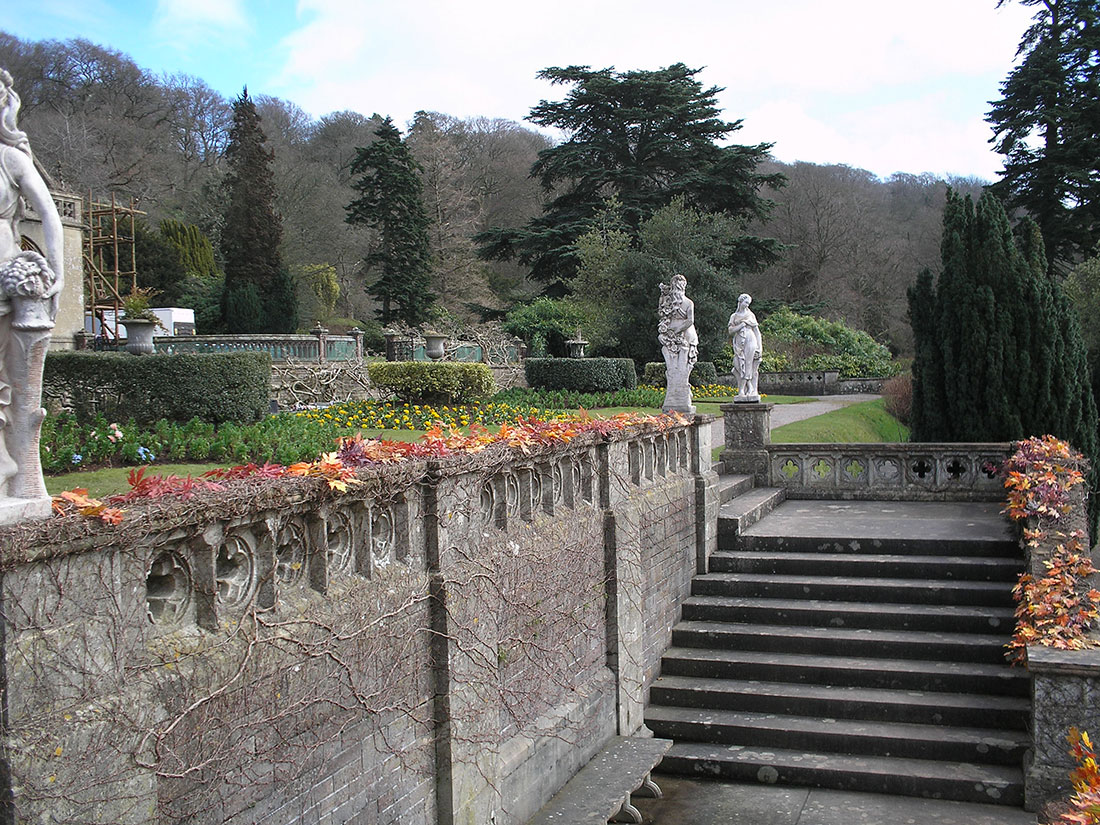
x=1065 y=693
x=321 y=334
x=748 y=434
x=357 y=334
x=706 y=492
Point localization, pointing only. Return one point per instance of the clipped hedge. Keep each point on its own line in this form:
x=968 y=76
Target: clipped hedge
x=433 y=383
x=702 y=373
x=581 y=374
x=213 y=387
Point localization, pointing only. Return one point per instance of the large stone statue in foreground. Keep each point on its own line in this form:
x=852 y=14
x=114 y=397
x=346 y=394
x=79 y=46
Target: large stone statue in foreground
x=748 y=350
x=30 y=289
x=679 y=343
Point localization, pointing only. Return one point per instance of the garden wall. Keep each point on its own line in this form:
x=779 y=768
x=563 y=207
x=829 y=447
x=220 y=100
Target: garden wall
x=446 y=642
x=819 y=382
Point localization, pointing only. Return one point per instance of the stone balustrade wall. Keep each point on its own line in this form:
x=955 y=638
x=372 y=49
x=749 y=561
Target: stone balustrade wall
x=811 y=382
x=906 y=472
x=446 y=642
x=902 y=472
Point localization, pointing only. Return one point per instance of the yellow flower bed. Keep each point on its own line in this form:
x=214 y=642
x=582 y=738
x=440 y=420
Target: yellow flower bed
x=385 y=415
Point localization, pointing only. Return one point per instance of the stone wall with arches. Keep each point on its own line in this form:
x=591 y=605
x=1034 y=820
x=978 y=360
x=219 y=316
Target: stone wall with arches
x=448 y=641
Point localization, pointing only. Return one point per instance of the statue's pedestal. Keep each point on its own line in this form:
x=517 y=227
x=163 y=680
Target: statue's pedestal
x=748 y=431
x=677 y=388
x=16 y=510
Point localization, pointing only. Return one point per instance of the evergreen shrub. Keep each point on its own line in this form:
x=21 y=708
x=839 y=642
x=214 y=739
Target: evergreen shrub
x=433 y=383
x=581 y=374
x=213 y=387
x=704 y=372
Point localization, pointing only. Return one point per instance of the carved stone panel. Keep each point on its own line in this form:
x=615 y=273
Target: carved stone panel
x=235 y=570
x=340 y=542
x=291 y=552
x=169 y=589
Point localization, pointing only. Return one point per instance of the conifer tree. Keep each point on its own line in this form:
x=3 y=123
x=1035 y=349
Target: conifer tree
x=390 y=202
x=1047 y=125
x=259 y=294
x=647 y=138
x=196 y=251
x=999 y=352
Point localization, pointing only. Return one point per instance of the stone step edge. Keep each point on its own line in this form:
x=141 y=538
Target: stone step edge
x=730 y=486
x=840 y=693
x=703 y=626
x=996 y=784
x=740 y=513
x=837 y=728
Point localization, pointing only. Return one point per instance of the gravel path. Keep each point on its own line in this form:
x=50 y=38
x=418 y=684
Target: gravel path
x=788 y=413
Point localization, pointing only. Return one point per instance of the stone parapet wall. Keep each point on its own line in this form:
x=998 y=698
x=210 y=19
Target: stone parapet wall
x=811 y=382
x=446 y=642
x=901 y=472
x=905 y=472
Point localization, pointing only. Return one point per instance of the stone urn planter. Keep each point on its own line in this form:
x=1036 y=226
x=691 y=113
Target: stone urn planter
x=139 y=335
x=433 y=345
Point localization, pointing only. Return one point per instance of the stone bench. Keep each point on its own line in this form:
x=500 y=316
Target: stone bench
x=600 y=791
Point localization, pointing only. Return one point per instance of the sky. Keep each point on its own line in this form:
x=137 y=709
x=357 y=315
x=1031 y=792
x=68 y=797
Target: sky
x=876 y=84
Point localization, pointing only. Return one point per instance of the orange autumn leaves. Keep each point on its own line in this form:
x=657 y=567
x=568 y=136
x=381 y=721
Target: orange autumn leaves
x=338 y=468
x=1055 y=608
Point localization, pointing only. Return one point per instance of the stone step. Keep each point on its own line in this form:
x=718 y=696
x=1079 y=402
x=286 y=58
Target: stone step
x=731 y=486
x=846 y=736
x=832 y=641
x=891 y=674
x=960 y=568
x=894 y=527
x=826 y=613
x=853 y=588
x=834 y=701
x=740 y=513
x=903 y=777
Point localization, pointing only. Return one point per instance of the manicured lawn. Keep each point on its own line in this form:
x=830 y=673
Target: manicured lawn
x=866 y=422
x=112 y=480
x=108 y=481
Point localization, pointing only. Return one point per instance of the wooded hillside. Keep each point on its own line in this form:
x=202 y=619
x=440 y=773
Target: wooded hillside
x=100 y=123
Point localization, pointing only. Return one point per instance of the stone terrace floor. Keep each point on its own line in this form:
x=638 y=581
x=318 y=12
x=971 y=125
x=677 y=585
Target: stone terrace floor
x=726 y=803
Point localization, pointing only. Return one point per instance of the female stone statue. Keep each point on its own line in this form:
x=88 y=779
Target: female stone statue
x=679 y=343
x=30 y=289
x=748 y=349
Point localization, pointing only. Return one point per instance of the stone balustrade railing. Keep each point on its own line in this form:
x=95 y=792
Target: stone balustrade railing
x=909 y=472
x=447 y=641
x=812 y=382
x=904 y=472
x=313 y=347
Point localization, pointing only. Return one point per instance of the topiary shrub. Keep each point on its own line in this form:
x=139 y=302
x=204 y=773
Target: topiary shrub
x=704 y=372
x=581 y=374
x=433 y=383
x=213 y=387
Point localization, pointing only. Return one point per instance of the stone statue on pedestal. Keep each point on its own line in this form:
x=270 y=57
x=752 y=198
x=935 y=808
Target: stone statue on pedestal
x=30 y=290
x=679 y=343
x=748 y=350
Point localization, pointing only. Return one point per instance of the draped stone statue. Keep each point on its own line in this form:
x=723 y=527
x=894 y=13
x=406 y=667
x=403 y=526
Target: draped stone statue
x=30 y=290
x=679 y=343
x=748 y=350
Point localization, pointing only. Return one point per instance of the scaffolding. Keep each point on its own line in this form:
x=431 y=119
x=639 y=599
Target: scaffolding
x=110 y=263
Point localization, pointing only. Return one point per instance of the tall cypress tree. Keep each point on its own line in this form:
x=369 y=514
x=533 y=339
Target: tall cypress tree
x=1047 y=125
x=391 y=203
x=259 y=293
x=999 y=354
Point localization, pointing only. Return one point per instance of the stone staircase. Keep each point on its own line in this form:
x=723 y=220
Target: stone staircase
x=850 y=645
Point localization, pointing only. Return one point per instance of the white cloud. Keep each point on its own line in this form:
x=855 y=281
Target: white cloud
x=181 y=20
x=804 y=74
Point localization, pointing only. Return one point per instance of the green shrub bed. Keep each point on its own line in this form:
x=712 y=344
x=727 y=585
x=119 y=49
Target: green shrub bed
x=433 y=383
x=215 y=387
x=581 y=374
x=702 y=373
